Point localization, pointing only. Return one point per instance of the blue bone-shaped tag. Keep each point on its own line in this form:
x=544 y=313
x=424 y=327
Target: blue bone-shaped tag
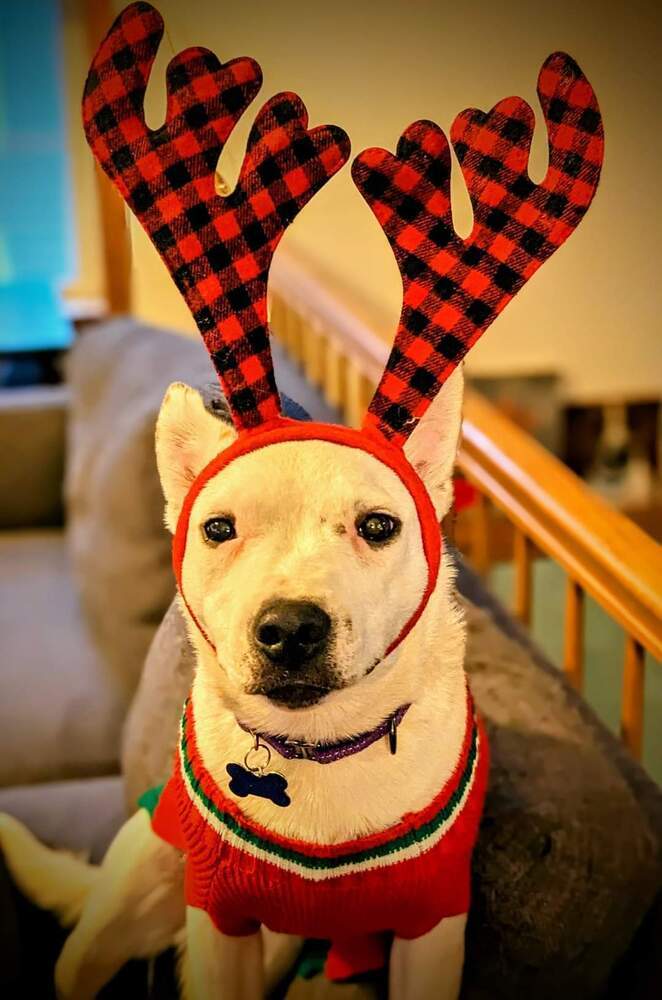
x=266 y=786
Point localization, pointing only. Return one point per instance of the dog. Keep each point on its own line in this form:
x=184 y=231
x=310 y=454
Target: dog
x=297 y=509
x=331 y=769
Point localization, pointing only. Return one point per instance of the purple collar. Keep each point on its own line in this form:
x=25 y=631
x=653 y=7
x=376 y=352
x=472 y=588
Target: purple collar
x=327 y=753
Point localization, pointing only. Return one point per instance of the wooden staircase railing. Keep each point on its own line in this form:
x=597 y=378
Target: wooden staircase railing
x=551 y=511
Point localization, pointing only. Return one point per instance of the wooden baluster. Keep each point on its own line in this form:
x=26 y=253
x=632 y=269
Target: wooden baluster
x=281 y=313
x=523 y=552
x=368 y=388
x=277 y=318
x=354 y=408
x=333 y=375
x=308 y=346
x=632 y=703
x=480 y=532
x=359 y=392
x=295 y=336
x=315 y=352
x=573 y=634
x=281 y=323
x=321 y=356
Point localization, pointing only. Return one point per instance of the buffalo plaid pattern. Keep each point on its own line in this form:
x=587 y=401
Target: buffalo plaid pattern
x=454 y=288
x=217 y=249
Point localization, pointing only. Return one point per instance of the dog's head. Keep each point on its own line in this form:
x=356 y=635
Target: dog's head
x=302 y=560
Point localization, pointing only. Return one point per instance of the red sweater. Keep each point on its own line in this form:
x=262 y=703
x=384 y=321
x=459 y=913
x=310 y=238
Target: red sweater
x=404 y=879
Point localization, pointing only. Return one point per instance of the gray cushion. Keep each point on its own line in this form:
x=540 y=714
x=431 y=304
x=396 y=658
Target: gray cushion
x=118 y=374
x=79 y=816
x=569 y=858
x=76 y=624
x=151 y=728
x=62 y=710
x=32 y=434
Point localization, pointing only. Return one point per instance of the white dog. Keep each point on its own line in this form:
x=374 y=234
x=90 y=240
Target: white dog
x=295 y=517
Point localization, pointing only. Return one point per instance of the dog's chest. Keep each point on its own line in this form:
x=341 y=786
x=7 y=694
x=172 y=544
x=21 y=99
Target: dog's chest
x=331 y=803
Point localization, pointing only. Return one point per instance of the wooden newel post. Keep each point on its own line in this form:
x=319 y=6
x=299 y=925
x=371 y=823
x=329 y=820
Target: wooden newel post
x=115 y=233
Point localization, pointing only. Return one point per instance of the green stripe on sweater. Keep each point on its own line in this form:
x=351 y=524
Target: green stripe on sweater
x=415 y=836
x=150 y=799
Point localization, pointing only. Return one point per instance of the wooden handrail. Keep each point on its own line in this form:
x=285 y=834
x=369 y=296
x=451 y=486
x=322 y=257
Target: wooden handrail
x=550 y=509
x=603 y=551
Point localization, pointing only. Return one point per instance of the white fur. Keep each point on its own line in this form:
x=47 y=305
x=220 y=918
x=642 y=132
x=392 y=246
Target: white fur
x=295 y=506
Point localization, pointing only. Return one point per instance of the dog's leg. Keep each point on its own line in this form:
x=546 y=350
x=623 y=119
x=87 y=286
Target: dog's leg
x=52 y=880
x=134 y=910
x=429 y=967
x=280 y=953
x=215 y=965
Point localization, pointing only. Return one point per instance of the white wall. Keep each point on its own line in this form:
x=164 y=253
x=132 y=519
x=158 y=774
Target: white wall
x=592 y=313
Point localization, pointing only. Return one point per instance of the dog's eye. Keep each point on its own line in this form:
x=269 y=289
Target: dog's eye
x=219 y=529
x=376 y=527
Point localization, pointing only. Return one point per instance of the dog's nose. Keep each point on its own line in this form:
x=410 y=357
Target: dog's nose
x=290 y=633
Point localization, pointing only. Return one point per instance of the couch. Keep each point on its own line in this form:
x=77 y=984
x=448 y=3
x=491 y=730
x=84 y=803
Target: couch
x=568 y=870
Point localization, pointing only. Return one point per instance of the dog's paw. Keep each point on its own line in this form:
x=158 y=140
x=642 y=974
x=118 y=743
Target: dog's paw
x=66 y=979
x=77 y=975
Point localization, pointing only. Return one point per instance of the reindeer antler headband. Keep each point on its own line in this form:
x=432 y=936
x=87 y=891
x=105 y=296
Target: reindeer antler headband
x=219 y=249
x=454 y=288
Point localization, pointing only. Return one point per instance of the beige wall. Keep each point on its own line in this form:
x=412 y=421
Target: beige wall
x=592 y=313
x=89 y=281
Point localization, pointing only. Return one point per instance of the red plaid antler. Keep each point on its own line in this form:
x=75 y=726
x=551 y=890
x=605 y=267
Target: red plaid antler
x=218 y=250
x=454 y=288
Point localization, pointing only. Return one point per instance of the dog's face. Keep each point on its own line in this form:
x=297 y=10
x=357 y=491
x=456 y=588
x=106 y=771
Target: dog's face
x=304 y=559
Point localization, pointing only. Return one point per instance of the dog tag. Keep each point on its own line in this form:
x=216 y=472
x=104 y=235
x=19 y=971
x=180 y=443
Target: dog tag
x=254 y=779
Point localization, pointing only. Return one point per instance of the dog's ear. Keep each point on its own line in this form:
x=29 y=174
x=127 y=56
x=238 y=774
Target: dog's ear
x=187 y=438
x=432 y=446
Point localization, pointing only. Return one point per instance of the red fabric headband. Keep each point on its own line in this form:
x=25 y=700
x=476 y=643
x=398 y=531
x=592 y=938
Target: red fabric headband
x=284 y=429
x=454 y=288
x=217 y=249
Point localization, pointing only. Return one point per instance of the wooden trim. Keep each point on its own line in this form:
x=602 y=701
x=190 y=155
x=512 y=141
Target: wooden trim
x=632 y=711
x=80 y=310
x=115 y=235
